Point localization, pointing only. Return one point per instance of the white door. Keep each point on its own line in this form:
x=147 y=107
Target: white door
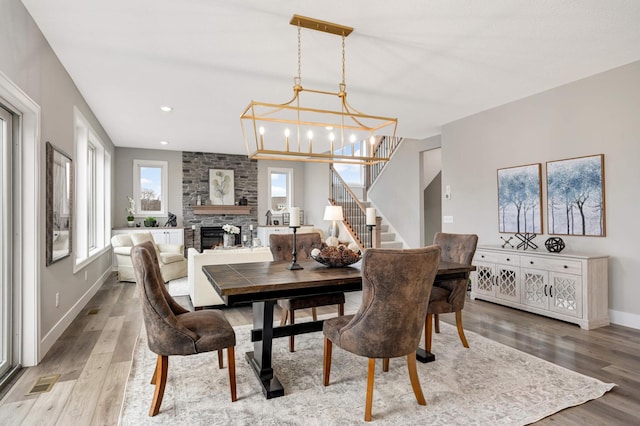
x=6 y=329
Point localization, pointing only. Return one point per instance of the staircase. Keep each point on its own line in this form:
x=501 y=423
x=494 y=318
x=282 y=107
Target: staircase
x=354 y=208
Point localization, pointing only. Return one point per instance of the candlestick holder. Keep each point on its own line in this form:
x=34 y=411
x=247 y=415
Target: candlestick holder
x=370 y=228
x=294 y=262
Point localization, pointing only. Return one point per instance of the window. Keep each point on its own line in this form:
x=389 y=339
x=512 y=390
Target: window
x=352 y=174
x=280 y=188
x=150 y=187
x=93 y=193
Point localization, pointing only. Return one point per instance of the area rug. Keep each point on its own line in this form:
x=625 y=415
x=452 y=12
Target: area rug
x=179 y=287
x=488 y=384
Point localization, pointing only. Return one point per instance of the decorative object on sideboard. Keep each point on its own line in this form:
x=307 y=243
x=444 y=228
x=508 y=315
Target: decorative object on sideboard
x=172 y=220
x=327 y=130
x=269 y=216
x=131 y=211
x=575 y=196
x=507 y=242
x=519 y=199
x=150 y=222
x=526 y=241
x=554 y=244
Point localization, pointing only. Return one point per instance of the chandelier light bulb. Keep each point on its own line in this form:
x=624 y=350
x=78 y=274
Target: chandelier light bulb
x=372 y=140
x=352 y=138
x=310 y=136
x=286 y=138
x=261 y=131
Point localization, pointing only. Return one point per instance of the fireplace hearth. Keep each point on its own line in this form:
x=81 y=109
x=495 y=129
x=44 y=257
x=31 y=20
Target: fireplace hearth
x=212 y=236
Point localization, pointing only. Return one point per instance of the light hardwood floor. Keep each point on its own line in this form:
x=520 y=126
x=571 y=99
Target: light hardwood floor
x=94 y=354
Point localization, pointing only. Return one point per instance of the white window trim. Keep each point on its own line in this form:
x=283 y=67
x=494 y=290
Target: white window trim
x=289 y=173
x=164 y=196
x=85 y=136
x=27 y=234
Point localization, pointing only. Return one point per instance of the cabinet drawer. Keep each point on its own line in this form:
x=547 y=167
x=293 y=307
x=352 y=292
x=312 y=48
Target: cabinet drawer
x=554 y=265
x=502 y=258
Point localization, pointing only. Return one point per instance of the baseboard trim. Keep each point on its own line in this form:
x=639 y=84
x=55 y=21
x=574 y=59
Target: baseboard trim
x=624 y=318
x=52 y=336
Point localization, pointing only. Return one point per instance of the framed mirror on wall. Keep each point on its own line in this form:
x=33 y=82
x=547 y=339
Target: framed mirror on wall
x=59 y=204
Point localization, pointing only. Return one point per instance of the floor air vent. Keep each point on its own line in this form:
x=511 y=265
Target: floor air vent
x=44 y=384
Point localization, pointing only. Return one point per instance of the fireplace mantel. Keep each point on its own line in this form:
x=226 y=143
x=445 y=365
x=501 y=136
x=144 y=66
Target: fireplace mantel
x=212 y=210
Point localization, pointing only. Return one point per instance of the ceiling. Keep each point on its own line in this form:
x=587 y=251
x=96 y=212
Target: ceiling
x=426 y=62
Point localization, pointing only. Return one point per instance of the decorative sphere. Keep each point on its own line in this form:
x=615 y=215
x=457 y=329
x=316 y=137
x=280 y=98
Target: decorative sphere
x=554 y=244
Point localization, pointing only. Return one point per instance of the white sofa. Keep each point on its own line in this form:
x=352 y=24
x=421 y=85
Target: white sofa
x=170 y=256
x=201 y=292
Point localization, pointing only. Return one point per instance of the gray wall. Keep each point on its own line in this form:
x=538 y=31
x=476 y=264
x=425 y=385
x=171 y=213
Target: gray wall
x=596 y=115
x=398 y=193
x=27 y=60
x=124 y=181
x=298 y=186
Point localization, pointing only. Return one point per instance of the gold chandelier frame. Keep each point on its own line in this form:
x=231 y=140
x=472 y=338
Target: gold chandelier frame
x=356 y=132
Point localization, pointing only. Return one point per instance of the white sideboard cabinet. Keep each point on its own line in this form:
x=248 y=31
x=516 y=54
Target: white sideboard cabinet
x=568 y=286
x=160 y=235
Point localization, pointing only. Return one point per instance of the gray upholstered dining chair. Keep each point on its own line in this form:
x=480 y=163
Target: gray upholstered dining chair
x=173 y=330
x=449 y=296
x=281 y=246
x=395 y=291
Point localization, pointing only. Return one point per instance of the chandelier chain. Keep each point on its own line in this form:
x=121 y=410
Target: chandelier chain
x=299 y=53
x=343 y=59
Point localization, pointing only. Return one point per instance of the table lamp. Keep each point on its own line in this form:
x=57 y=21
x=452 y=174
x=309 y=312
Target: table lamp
x=334 y=214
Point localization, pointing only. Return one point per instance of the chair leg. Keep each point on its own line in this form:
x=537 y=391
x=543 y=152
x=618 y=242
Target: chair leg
x=341 y=310
x=160 y=377
x=231 y=355
x=326 y=364
x=369 y=403
x=292 y=320
x=283 y=318
x=413 y=376
x=220 y=361
x=385 y=364
x=428 y=332
x=437 y=322
x=314 y=314
x=463 y=339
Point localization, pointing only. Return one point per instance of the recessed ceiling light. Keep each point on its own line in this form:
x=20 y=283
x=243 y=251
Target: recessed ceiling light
x=166 y=108
x=164 y=143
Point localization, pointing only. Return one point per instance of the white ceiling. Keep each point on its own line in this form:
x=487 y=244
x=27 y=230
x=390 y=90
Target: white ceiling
x=426 y=62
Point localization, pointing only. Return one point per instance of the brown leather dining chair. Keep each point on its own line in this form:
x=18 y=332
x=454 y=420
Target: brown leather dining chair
x=173 y=330
x=396 y=284
x=449 y=296
x=281 y=246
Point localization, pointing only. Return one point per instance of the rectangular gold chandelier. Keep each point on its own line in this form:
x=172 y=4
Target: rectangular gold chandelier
x=325 y=128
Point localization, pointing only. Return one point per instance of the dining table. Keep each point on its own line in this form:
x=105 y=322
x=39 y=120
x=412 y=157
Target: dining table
x=263 y=283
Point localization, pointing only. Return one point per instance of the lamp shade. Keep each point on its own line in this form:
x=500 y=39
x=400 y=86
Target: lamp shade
x=333 y=213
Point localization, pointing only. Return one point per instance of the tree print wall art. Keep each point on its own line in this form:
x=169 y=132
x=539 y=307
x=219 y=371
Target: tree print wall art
x=520 y=199
x=575 y=196
x=221 y=188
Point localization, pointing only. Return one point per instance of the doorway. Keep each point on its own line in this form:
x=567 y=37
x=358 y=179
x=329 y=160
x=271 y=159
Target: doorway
x=6 y=259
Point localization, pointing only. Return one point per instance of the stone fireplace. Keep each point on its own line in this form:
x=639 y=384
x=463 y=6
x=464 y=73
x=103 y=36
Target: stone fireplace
x=211 y=236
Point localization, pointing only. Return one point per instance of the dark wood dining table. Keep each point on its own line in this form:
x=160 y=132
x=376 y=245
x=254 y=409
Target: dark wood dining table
x=263 y=283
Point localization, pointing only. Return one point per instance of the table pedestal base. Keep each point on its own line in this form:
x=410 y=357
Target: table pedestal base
x=424 y=356
x=271 y=387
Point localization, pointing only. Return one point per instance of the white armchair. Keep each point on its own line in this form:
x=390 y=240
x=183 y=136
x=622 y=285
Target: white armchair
x=173 y=265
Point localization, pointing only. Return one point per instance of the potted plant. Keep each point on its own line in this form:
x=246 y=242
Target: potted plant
x=150 y=221
x=229 y=236
x=131 y=209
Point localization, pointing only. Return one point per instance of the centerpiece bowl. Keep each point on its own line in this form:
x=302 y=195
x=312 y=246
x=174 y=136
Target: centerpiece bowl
x=336 y=257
